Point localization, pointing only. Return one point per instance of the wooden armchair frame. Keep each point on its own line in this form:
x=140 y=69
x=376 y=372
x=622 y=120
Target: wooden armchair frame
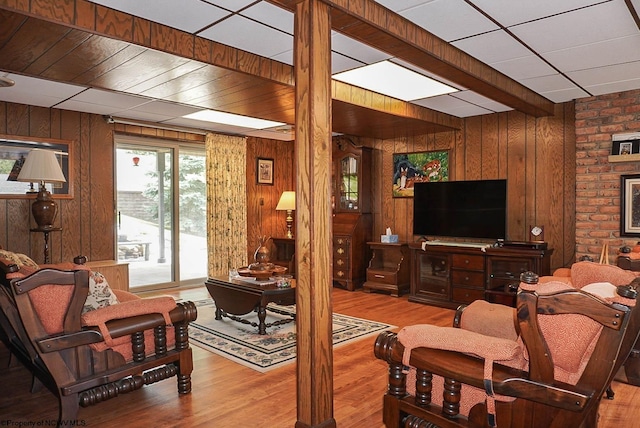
x=67 y=364
x=538 y=399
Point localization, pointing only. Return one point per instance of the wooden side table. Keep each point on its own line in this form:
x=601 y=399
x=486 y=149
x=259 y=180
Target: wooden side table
x=46 y=239
x=389 y=268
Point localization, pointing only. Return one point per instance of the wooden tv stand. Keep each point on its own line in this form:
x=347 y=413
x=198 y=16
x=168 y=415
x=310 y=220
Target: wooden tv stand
x=449 y=275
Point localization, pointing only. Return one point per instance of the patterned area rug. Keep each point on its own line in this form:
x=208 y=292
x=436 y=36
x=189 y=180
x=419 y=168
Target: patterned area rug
x=241 y=342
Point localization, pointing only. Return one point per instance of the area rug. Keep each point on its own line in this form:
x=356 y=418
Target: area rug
x=242 y=343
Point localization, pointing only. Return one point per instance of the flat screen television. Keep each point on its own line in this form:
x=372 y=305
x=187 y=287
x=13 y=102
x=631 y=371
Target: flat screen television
x=461 y=209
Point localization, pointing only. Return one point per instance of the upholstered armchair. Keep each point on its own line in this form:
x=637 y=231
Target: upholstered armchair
x=546 y=363
x=85 y=342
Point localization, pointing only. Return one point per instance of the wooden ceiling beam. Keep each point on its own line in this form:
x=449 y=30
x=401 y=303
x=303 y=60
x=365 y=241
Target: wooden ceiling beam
x=378 y=27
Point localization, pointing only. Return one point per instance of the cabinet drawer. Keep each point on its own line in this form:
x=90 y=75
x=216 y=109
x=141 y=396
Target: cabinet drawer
x=383 y=277
x=467 y=295
x=468 y=278
x=465 y=261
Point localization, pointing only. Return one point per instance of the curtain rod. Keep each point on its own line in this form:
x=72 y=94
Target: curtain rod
x=123 y=121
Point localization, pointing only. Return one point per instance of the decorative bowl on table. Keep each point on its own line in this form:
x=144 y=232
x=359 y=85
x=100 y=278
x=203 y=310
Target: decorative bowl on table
x=261 y=273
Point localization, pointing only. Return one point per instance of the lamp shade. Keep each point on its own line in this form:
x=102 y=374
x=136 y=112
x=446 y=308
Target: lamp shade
x=287 y=201
x=41 y=166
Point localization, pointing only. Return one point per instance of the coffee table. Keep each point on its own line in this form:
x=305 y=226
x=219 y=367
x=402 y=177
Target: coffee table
x=239 y=296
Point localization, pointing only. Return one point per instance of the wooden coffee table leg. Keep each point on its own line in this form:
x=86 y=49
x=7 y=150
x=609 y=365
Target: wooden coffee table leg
x=262 y=315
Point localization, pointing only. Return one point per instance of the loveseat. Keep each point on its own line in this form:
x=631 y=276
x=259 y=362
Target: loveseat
x=85 y=342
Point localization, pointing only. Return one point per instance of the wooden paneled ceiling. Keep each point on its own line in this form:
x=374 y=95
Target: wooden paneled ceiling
x=90 y=46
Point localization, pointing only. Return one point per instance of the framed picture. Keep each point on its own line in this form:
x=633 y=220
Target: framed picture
x=630 y=205
x=411 y=168
x=625 y=147
x=264 y=171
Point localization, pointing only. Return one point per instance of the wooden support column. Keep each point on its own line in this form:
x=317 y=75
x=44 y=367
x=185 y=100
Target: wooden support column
x=312 y=64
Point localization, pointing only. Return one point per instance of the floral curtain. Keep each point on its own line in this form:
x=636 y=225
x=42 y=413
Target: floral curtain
x=226 y=203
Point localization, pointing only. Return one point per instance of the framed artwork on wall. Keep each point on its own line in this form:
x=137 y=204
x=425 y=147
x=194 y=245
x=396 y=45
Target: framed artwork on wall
x=417 y=167
x=264 y=171
x=630 y=205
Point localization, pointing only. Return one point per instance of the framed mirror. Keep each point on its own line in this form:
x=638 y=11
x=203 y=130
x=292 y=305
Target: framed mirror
x=15 y=149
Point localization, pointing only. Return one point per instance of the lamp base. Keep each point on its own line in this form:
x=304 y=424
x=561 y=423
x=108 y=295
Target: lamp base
x=44 y=209
x=289 y=221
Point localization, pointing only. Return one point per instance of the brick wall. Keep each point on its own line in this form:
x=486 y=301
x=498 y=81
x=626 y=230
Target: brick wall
x=597 y=179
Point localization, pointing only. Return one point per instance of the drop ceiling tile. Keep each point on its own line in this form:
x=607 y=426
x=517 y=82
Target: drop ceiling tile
x=427 y=73
x=550 y=83
x=479 y=100
x=356 y=50
x=493 y=47
x=164 y=108
x=615 y=78
x=398 y=6
x=564 y=95
x=341 y=63
x=613 y=87
x=608 y=20
x=608 y=52
x=111 y=100
x=510 y=12
x=185 y=15
x=37 y=92
x=232 y=5
x=254 y=37
x=451 y=105
x=141 y=115
x=201 y=124
x=87 y=107
x=271 y=15
x=449 y=19
x=524 y=67
x=285 y=57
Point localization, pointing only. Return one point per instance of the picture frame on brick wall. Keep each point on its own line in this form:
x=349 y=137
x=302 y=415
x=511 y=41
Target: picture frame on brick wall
x=625 y=144
x=630 y=205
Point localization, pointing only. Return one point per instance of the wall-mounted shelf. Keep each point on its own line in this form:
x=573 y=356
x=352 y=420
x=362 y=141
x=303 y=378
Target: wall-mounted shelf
x=625 y=158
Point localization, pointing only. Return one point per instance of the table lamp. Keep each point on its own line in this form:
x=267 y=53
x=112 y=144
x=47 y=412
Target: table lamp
x=288 y=202
x=41 y=166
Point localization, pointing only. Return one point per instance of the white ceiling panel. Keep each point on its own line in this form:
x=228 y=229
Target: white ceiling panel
x=254 y=37
x=449 y=19
x=581 y=27
x=85 y=107
x=524 y=67
x=553 y=82
x=609 y=52
x=185 y=15
x=451 y=105
x=164 y=108
x=356 y=50
x=510 y=12
x=37 y=92
x=398 y=6
x=492 y=47
x=479 y=100
x=111 y=100
x=232 y=5
x=271 y=15
x=341 y=63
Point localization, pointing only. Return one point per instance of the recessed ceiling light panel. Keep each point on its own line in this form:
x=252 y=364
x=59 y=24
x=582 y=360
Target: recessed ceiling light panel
x=395 y=81
x=232 y=119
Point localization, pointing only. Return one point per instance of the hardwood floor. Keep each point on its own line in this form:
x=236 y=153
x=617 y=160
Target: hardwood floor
x=226 y=394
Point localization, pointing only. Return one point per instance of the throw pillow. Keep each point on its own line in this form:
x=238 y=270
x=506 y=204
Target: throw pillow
x=100 y=294
x=19 y=259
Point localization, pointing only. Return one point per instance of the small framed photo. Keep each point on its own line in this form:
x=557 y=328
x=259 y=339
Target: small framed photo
x=630 y=205
x=264 y=171
x=626 y=148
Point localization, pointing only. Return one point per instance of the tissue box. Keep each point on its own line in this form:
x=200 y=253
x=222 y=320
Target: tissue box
x=389 y=239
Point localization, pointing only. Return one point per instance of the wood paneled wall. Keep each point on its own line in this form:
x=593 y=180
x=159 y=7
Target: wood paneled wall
x=536 y=156
x=88 y=218
x=262 y=199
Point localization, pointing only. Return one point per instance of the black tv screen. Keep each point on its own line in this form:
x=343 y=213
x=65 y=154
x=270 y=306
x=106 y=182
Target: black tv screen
x=461 y=209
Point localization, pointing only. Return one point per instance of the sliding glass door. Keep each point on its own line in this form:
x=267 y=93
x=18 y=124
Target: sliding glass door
x=161 y=202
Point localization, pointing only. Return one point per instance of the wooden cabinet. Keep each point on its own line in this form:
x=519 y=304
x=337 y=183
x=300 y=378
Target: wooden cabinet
x=449 y=275
x=351 y=231
x=284 y=254
x=352 y=220
x=388 y=268
x=504 y=266
x=116 y=273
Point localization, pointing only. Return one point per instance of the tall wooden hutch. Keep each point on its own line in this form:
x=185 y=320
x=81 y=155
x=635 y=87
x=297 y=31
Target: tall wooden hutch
x=352 y=219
